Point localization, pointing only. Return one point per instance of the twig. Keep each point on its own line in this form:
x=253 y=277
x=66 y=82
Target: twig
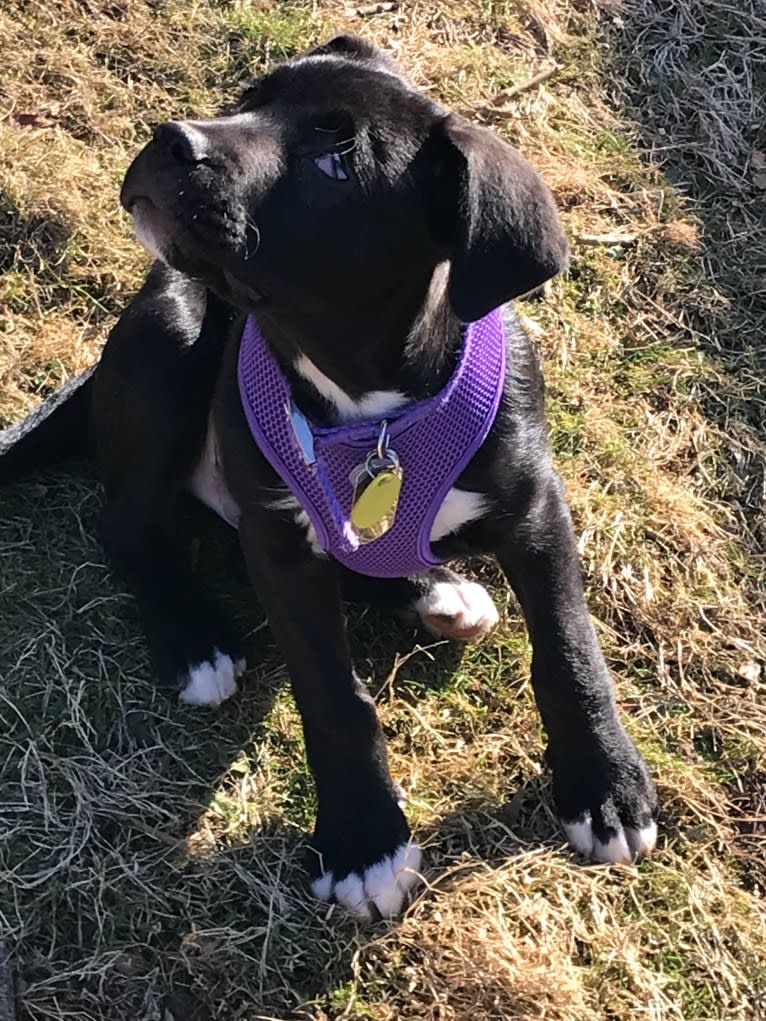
x=614 y=238
x=515 y=90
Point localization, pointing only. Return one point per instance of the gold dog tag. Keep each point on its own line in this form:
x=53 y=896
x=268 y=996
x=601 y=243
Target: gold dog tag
x=377 y=484
x=376 y=497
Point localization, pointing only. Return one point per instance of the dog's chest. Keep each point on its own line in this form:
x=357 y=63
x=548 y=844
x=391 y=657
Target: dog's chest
x=208 y=484
x=374 y=487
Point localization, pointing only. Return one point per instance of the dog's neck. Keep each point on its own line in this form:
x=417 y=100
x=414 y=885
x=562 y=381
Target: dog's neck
x=401 y=349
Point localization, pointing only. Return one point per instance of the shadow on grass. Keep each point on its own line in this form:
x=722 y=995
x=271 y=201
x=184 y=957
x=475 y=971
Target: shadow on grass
x=691 y=78
x=167 y=844
x=30 y=242
x=40 y=246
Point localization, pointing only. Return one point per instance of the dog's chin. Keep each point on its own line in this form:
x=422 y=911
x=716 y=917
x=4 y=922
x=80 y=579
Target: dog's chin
x=152 y=227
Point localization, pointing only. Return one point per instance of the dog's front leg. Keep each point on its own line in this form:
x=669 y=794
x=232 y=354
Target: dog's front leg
x=603 y=792
x=362 y=854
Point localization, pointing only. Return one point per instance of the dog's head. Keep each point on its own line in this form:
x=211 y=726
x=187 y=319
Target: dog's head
x=334 y=178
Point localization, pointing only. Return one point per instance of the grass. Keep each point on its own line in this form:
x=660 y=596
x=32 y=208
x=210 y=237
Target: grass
x=150 y=856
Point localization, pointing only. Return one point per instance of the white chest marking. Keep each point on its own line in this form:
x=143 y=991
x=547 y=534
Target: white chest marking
x=459 y=507
x=375 y=404
x=207 y=481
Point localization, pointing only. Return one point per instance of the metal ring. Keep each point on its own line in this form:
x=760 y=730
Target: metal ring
x=374 y=464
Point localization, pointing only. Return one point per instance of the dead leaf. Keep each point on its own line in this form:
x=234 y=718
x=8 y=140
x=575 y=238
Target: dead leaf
x=368 y=10
x=751 y=671
x=32 y=120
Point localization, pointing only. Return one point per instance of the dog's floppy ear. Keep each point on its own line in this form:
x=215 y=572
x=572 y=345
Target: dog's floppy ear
x=353 y=47
x=346 y=45
x=494 y=216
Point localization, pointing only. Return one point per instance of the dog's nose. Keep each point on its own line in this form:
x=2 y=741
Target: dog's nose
x=181 y=141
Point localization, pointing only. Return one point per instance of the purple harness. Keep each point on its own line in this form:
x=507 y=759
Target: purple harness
x=434 y=440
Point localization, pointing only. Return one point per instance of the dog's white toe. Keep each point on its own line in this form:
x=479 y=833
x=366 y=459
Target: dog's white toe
x=642 y=841
x=614 y=851
x=210 y=683
x=580 y=835
x=380 y=891
x=457 y=609
x=322 y=888
x=626 y=846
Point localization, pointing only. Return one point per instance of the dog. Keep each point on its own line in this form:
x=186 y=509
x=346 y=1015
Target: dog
x=343 y=228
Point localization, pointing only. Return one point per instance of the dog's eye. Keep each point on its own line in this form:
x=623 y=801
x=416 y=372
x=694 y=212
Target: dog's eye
x=331 y=164
x=335 y=123
x=327 y=139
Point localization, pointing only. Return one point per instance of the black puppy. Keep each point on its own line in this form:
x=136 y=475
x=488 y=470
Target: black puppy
x=361 y=225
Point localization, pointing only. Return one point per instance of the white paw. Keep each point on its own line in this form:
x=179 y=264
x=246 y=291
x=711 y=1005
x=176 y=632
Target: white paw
x=210 y=683
x=628 y=845
x=457 y=609
x=380 y=891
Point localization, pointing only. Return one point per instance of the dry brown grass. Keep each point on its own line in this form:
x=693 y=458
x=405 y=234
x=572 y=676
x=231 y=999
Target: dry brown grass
x=146 y=851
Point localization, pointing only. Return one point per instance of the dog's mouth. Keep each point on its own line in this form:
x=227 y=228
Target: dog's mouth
x=135 y=192
x=153 y=226
x=169 y=237
x=179 y=206
x=130 y=199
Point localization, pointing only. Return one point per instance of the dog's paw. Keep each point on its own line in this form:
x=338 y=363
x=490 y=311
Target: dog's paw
x=628 y=844
x=379 y=891
x=456 y=608
x=211 y=681
x=362 y=854
x=607 y=803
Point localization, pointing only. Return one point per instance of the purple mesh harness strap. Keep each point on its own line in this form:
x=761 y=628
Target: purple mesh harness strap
x=434 y=440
